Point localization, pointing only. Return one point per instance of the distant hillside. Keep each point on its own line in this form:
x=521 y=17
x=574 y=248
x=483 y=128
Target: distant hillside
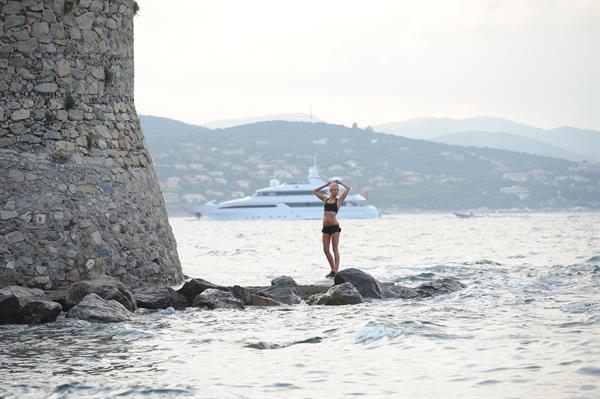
x=505 y=141
x=581 y=143
x=292 y=117
x=195 y=164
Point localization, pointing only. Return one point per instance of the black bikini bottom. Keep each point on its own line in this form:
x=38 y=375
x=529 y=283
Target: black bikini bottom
x=334 y=228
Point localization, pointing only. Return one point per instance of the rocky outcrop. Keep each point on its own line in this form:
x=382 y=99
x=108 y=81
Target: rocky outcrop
x=105 y=287
x=308 y=290
x=194 y=287
x=151 y=296
x=24 y=305
x=213 y=298
x=342 y=294
x=435 y=287
x=37 y=311
x=366 y=284
x=94 y=308
x=258 y=300
x=440 y=287
x=9 y=309
x=79 y=195
x=283 y=289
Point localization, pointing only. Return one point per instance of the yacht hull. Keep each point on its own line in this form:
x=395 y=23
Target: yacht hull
x=283 y=212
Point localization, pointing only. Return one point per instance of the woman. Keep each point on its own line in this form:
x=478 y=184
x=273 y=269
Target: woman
x=331 y=228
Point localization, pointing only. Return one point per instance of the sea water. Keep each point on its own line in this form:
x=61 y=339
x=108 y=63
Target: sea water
x=526 y=326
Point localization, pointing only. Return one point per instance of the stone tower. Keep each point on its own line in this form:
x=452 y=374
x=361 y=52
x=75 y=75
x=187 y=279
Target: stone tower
x=78 y=192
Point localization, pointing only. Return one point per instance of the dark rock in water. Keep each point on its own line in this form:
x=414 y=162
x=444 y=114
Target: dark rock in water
x=24 y=305
x=284 y=281
x=319 y=299
x=213 y=298
x=439 y=287
x=307 y=291
x=57 y=295
x=342 y=294
x=93 y=308
x=194 y=287
x=36 y=311
x=267 y=345
x=366 y=284
x=240 y=293
x=258 y=300
x=23 y=292
x=108 y=288
x=399 y=292
x=9 y=309
x=151 y=296
x=345 y=294
x=283 y=289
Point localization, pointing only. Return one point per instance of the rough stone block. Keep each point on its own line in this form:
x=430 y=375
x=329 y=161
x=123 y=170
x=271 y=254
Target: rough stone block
x=47 y=87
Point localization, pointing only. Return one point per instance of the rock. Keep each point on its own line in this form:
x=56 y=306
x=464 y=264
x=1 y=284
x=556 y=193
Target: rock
x=366 y=284
x=435 y=287
x=319 y=299
x=26 y=306
x=23 y=292
x=20 y=114
x=152 y=296
x=94 y=308
x=240 y=293
x=36 y=311
x=47 y=87
x=283 y=289
x=342 y=294
x=12 y=7
x=439 y=287
x=194 y=287
x=108 y=288
x=5 y=215
x=57 y=295
x=9 y=309
x=213 y=298
x=85 y=21
x=399 y=292
x=40 y=29
x=258 y=300
x=63 y=67
x=13 y=20
x=307 y=291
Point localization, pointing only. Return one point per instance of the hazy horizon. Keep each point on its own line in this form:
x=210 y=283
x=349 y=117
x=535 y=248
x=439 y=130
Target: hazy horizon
x=533 y=63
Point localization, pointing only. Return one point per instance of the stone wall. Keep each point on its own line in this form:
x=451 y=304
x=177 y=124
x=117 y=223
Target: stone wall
x=78 y=192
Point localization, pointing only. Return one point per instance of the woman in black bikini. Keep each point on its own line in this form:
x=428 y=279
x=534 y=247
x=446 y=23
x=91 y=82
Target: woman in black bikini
x=331 y=228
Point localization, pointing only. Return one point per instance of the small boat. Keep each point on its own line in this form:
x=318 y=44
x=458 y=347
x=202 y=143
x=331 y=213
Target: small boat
x=287 y=201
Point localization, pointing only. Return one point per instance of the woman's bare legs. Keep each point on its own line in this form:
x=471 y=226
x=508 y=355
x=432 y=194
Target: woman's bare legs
x=326 y=242
x=335 y=241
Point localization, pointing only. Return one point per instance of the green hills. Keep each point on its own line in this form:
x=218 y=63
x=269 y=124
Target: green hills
x=196 y=164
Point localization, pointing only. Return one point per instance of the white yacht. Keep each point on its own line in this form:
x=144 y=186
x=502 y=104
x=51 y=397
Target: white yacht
x=287 y=201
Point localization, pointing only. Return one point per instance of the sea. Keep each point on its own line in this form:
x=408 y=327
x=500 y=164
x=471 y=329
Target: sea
x=526 y=326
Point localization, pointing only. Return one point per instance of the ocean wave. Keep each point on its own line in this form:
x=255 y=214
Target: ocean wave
x=270 y=345
x=378 y=329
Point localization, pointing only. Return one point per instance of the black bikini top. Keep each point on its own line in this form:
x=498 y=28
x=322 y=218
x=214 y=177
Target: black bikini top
x=331 y=207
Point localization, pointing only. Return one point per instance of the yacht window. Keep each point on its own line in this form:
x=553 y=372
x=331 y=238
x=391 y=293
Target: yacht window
x=269 y=193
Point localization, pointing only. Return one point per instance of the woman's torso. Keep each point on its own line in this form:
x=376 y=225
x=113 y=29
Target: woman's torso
x=329 y=216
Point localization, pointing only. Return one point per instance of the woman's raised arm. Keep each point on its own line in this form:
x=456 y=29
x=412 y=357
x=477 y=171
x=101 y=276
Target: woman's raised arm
x=317 y=192
x=344 y=194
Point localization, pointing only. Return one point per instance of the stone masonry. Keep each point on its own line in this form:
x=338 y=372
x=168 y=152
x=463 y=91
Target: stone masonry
x=78 y=192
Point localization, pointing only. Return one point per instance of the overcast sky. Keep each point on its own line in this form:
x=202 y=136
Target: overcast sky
x=370 y=62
